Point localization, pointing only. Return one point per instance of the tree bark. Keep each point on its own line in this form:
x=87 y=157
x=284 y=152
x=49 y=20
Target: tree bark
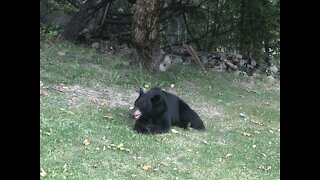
x=146 y=26
x=43 y=10
x=88 y=17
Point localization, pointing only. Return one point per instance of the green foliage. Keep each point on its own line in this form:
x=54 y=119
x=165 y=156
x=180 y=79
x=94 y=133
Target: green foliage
x=63 y=6
x=239 y=26
x=48 y=31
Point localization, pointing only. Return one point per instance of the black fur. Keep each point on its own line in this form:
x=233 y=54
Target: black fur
x=160 y=110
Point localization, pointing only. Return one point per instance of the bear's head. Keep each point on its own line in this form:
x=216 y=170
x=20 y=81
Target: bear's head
x=147 y=103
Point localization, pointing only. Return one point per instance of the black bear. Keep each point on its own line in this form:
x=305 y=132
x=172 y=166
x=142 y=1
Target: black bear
x=156 y=111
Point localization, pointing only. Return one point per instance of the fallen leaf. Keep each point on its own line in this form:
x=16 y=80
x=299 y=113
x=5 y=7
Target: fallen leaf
x=49 y=133
x=242 y=115
x=70 y=112
x=256 y=122
x=42 y=173
x=61 y=53
x=134 y=158
x=254 y=146
x=98 y=149
x=165 y=164
x=264 y=155
x=94 y=100
x=128 y=150
x=145 y=166
x=174 y=131
x=228 y=155
x=86 y=142
x=42 y=92
x=270 y=131
x=220 y=93
x=65 y=167
x=156 y=169
x=120 y=145
x=241 y=96
x=103 y=104
x=204 y=141
x=108 y=117
x=246 y=134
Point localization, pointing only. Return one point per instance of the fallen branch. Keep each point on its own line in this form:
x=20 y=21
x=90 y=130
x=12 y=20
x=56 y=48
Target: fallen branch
x=230 y=64
x=118 y=34
x=194 y=55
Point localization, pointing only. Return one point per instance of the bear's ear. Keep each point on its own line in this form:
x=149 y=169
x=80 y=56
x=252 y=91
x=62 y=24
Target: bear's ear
x=155 y=98
x=140 y=91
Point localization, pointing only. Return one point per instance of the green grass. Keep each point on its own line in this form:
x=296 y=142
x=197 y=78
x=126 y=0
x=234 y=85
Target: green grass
x=97 y=85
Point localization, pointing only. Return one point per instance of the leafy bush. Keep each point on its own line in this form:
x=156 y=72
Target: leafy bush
x=48 y=32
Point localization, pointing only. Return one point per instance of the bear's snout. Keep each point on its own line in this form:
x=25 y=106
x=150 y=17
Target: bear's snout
x=136 y=113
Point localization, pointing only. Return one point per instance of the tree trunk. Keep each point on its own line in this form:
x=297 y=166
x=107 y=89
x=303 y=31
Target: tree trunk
x=251 y=29
x=267 y=58
x=43 y=10
x=146 y=26
x=88 y=17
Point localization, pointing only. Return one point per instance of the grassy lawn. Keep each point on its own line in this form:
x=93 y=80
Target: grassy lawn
x=87 y=96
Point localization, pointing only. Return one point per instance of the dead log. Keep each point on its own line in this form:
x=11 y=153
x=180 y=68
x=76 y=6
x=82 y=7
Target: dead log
x=118 y=34
x=112 y=21
x=230 y=64
x=193 y=55
x=104 y=17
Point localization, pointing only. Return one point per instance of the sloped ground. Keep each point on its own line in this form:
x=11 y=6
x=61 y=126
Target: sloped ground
x=86 y=131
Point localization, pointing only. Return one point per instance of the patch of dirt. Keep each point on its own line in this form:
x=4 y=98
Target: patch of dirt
x=275 y=86
x=96 y=67
x=120 y=97
x=111 y=96
x=208 y=110
x=250 y=84
x=77 y=90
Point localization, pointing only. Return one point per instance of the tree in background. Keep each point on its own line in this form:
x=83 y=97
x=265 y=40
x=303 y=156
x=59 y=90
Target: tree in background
x=146 y=26
x=43 y=10
x=86 y=17
x=248 y=27
x=258 y=26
